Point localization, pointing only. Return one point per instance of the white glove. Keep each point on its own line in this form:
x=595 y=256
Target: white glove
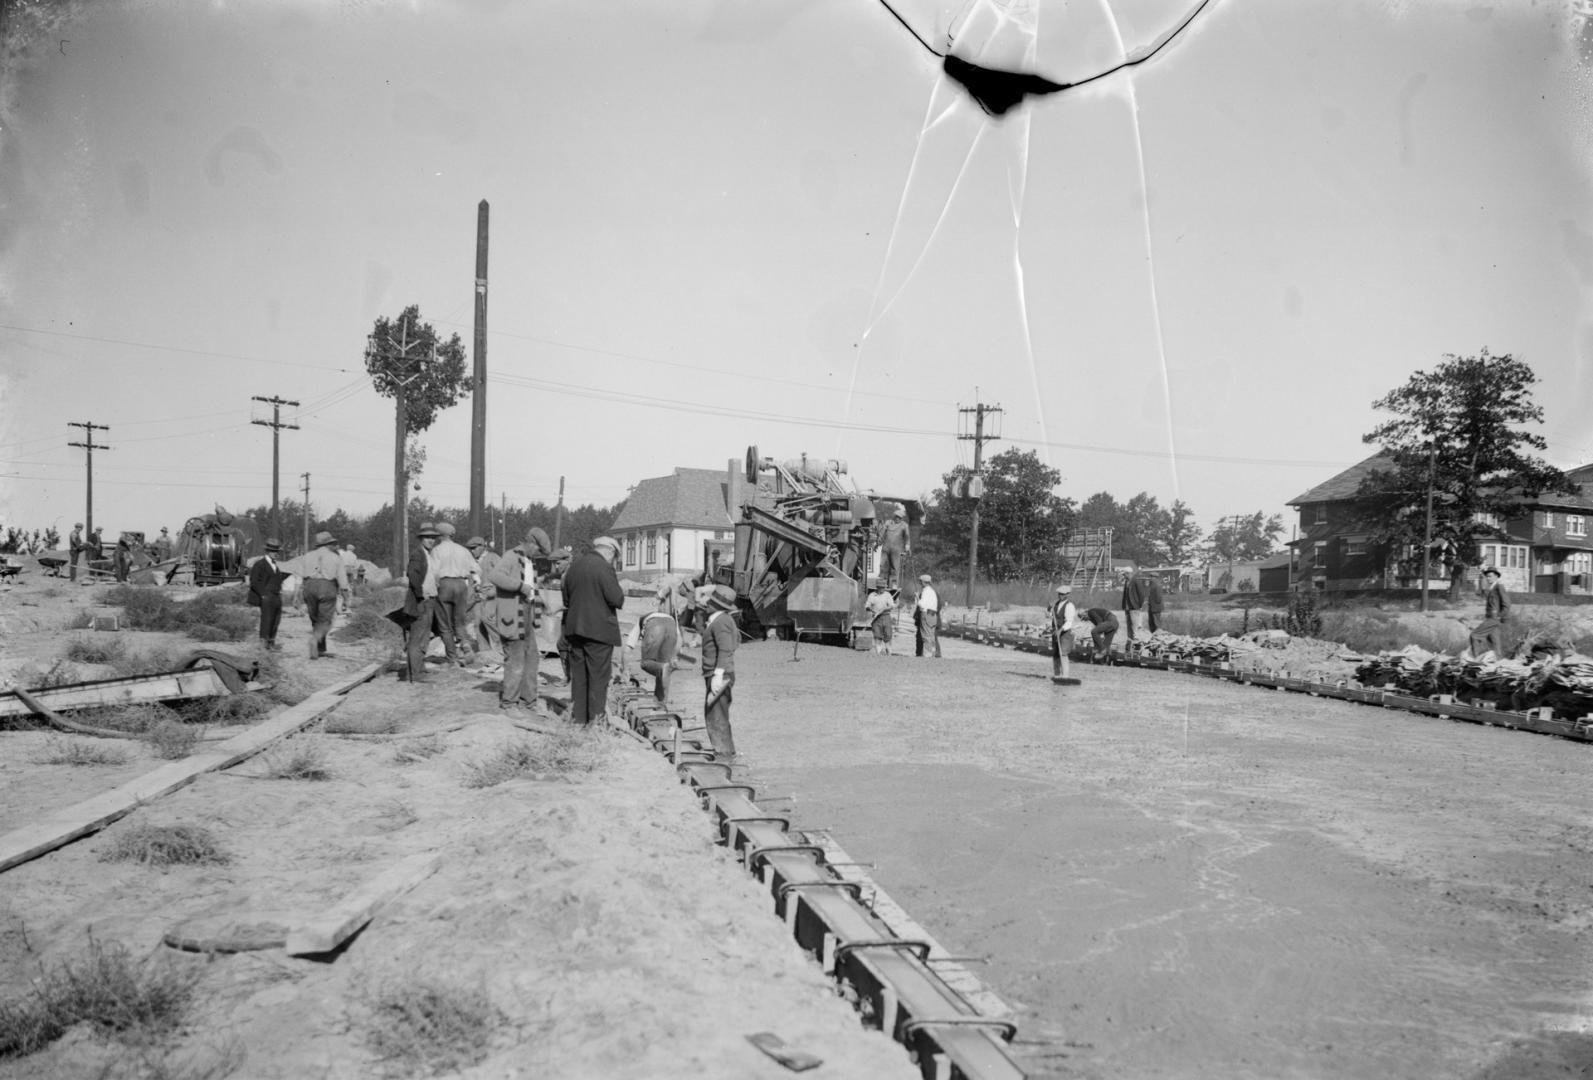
x=716 y=684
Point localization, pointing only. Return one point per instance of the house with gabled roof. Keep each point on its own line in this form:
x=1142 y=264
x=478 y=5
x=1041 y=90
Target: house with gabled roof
x=669 y=524
x=1544 y=548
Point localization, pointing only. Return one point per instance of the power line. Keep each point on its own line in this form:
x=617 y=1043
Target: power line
x=276 y=424
x=88 y=444
x=168 y=348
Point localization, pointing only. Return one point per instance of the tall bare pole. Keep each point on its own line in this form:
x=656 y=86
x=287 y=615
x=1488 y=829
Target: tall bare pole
x=88 y=444
x=478 y=388
x=1427 y=540
x=979 y=439
x=306 y=507
x=558 y=516
x=276 y=425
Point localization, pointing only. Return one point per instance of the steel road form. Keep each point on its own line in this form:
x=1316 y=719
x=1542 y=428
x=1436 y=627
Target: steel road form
x=1443 y=706
x=894 y=984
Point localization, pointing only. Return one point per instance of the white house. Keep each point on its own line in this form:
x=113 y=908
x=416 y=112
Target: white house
x=665 y=523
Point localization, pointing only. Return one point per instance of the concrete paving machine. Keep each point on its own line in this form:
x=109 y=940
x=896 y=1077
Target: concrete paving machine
x=805 y=548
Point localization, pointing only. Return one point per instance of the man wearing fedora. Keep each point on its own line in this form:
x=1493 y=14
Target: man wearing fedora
x=420 y=600
x=265 y=592
x=720 y=636
x=1489 y=634
x=324 y=581
x=513 y=614
x=456 y=572
x=592 y=595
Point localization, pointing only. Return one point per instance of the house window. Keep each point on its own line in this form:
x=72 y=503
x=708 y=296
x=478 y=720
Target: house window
x=1579 y=562
x=1319 y=553
x=1548 y=519
x=652 y=548
x=1575 y=525
x=719 y=534
x=630 y=549
x=1354 y=547
x=1321 y=514
x=1505 y=556
x=1490 y=520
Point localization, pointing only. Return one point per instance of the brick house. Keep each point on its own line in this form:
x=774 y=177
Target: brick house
x=1545 y=548
x=669 y=521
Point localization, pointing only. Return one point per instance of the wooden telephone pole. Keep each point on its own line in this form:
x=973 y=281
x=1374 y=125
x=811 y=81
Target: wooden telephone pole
x=88 y=444
x=979 y=437
x=478 y=386
x=276 y=425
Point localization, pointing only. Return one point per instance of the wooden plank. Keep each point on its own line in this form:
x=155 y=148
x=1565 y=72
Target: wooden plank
x=339 y=923
x=66 y=825
x=165 y=686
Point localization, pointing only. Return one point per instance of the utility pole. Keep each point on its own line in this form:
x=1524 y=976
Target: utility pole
x=403 y=351
x=979 y=437
x=276 y=425
x=503 y=518
x=306 y=490
x=558 y=516
x=478 y=388
x=1427 y=542
x=88 y=444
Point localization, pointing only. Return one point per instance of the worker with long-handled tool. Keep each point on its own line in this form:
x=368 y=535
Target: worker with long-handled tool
x=1064 y=622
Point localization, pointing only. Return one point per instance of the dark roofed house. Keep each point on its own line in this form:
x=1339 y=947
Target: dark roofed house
x=665 y=523
x=1544 y=548
x=1333 y=550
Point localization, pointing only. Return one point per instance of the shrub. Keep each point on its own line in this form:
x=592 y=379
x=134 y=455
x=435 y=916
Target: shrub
x=418 y=1024
x=165 y=845
x=96 y=650
x=555 y=755
x=172 y=739
x=104 y=987
x=137 y=718
x=368 y=621
x=83 y=752
x=302 y=759
x=216 y=614
x=228 y=709
x=340 y=723
x=154 y=662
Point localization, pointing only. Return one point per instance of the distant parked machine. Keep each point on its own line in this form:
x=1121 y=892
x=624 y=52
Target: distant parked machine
x=218 y=546
x=804 y=548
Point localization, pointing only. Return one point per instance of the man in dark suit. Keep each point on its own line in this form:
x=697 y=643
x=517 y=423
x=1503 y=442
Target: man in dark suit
x=420 y=601
x=592 y=595
x=265 y=592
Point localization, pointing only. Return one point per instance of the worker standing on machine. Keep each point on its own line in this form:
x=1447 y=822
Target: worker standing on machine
x=895 y=544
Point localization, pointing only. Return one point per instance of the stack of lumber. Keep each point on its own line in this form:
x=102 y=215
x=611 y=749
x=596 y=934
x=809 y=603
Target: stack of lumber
x=1564 y=684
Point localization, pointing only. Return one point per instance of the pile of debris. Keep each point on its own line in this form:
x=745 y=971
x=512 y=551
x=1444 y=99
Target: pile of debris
x=1268 y=651
x=1559 y=681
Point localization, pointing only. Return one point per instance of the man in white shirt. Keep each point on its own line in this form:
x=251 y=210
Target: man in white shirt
x=457 y=578
x=1064 y=621
x=926 y=615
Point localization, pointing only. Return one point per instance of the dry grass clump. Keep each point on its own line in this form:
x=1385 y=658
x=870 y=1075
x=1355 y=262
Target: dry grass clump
x=165 y=845
x=368 y=620
x=355 y=723
x=137 y=718
x=412 y=750
x=96 y=650
x=59 y=673
x=282 y=684
x=301 y=759
x=214 y=614
x=172 y=739
x=568 y=752
x=83 y=752
x=418 y=1026
x=228 y=709
x=156 y=661
x=105 y=987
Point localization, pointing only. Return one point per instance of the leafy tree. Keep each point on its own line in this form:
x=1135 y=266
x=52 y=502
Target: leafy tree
x=423 y=375
x=1245 y=538
x=1458 y=432
x=1022 y=521
x=1180 y=535
x=1141 y=529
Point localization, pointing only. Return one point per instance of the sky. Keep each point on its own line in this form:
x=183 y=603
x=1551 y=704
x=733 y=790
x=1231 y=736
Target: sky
x=725 y=223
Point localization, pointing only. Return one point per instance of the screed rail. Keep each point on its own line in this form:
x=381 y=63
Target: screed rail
x=894 y=985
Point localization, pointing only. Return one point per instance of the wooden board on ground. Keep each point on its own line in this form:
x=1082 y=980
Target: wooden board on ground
x=136 y=689
x=231 y=933
x=1063 y=680
x=64 y=826
x=335 y=926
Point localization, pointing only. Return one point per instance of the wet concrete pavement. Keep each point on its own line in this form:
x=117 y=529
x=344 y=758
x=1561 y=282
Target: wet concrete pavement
x=1176 y=877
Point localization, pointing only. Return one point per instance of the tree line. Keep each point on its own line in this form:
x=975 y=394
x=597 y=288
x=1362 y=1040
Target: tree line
x=1025 y=526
